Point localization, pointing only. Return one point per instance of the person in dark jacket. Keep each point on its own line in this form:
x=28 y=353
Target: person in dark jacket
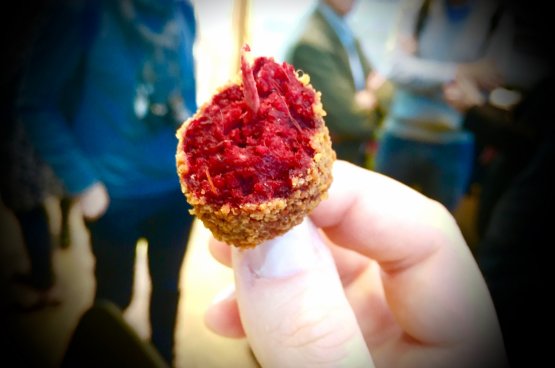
x=354 y=95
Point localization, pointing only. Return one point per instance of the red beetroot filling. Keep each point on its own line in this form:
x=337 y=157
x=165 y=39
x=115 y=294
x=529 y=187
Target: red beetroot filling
x=236 y=155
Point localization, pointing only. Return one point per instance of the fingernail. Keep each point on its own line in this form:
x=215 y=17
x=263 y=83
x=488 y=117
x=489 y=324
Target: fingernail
x=295 y=251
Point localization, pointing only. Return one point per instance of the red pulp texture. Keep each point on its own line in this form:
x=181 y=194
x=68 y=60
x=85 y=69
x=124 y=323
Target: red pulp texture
x=236 y=155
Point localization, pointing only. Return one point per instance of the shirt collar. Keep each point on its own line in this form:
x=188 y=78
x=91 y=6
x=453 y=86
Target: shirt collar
x=338 y=23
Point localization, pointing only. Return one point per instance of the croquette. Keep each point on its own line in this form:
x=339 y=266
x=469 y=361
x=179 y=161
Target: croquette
x=257 y=157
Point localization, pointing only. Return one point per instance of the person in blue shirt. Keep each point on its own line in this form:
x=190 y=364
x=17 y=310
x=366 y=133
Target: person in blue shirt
x=105 y=86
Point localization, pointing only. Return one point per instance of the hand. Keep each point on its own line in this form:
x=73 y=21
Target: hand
x=375 y=81
x=94 y=201
x=378 y=274
x=463 y=94
x=366 y=100
x=504 y=98
x=483 y=72
x=407 y=44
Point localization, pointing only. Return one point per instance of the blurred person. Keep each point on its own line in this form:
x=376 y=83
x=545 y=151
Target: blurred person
x=511 y=251
x=498 y=119
x=435 y=42
x=25 y=184
x=378 y=275
x=104 y=89
x=353 y=94
x=518 y=197
x=500 y=143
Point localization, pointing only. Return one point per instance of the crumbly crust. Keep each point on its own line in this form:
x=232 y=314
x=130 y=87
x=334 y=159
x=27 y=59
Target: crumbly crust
x=252 y=223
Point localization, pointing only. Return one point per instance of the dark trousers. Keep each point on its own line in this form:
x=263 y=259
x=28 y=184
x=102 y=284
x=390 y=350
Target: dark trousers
x=440 y=171
x=165 y=223
x=38 y=243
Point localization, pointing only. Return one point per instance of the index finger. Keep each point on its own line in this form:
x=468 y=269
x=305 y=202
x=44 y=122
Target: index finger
x=382 y=218
x=429 y=275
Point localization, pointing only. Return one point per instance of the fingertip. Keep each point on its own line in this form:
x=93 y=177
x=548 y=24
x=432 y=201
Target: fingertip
x=377 y=216
x=220 y=251
x=222 y=317
x=341 y=195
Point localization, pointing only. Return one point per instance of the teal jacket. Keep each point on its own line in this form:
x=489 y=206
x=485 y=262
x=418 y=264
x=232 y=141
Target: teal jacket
x=87 y=59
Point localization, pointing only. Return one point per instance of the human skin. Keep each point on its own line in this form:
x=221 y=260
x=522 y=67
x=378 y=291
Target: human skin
x=378 y=275
x=94 y=201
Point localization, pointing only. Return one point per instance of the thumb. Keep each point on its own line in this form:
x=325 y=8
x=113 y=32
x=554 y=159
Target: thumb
x=292 y=304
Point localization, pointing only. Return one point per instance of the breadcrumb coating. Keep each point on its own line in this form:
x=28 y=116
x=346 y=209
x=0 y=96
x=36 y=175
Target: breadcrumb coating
x=246 y=219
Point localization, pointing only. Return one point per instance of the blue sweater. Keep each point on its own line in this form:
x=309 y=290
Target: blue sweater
x=101 y=139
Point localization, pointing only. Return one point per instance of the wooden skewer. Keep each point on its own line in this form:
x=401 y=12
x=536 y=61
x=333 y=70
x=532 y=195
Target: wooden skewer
x=249 y=84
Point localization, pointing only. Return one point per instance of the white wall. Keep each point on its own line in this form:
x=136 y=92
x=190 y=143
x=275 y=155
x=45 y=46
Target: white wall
x=273 y=23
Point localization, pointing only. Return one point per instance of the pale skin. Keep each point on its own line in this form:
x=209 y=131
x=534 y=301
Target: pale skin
x=463 y=94
x=483 y=72
x=367 y=98
x=94 y=201
x=378 y=276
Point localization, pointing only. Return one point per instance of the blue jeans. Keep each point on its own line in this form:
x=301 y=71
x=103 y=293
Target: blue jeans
x=164 y=221
x=440 y=171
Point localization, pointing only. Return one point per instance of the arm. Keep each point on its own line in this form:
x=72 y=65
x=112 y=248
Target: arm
x=344 y=117
x=188 y=84
x=54 y=59
x=405 y=67
x=490 y=122
x=499 y=128
x=412 y=72
x=512 y=49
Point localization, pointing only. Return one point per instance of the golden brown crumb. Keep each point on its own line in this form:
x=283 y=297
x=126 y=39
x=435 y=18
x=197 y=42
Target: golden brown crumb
x=249 y=224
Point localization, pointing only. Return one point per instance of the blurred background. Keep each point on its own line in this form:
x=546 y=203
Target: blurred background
x=39 y=338
x=268 y=27
x=223 y=26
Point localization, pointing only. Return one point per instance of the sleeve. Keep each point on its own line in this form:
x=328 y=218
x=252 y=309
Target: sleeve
x=188 y=62
x=344 y=118
x=405 y=67
x=518 y=65
x=499 y=128
x=53 y=60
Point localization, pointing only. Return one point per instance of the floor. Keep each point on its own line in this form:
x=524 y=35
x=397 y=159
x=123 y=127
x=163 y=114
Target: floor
x=45 y=333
